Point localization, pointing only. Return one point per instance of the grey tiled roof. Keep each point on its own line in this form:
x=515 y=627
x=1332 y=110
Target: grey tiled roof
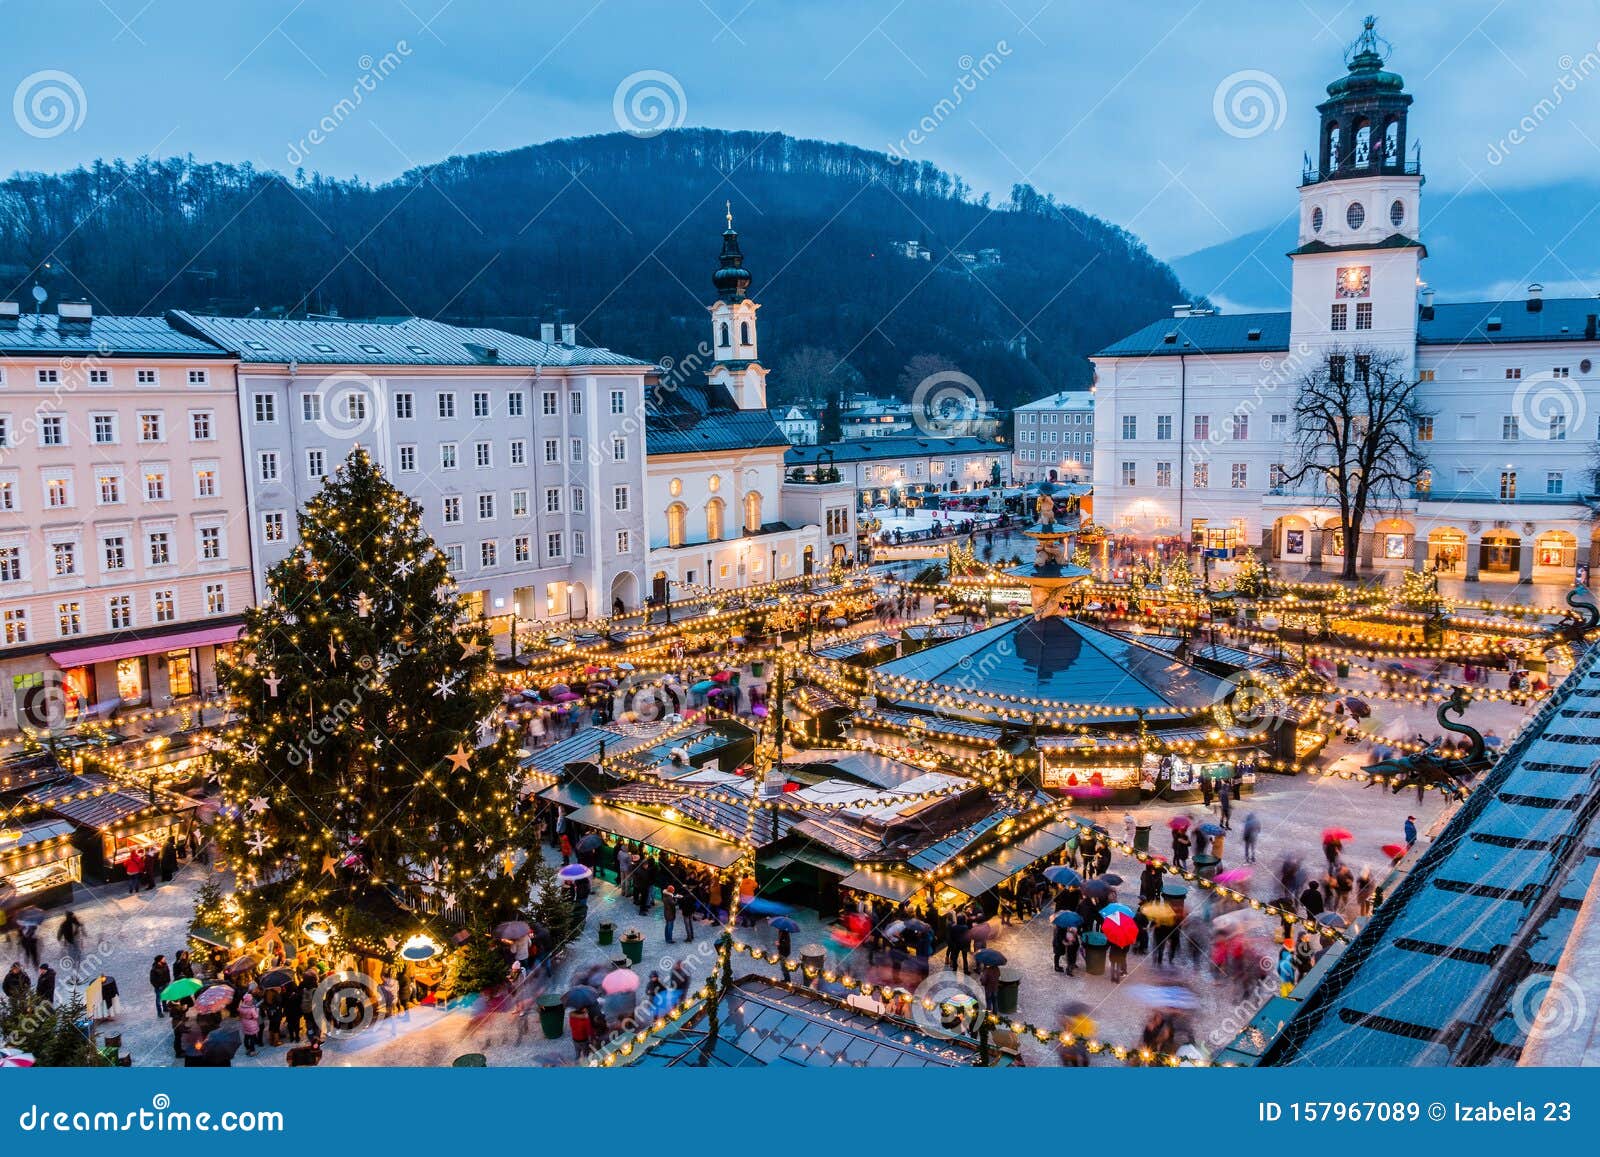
x=874 y=449
x=1221 y=333
x=406 y=341
x=1466 y=323
x=103 y=336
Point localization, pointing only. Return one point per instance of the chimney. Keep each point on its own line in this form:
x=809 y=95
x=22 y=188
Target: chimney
x=1589 y=327
x=1427 y=303
x=1182 y=309
x=10 y=311
x=80 y=312
x=547 y=333
x=1535 y=297
x=569 y=335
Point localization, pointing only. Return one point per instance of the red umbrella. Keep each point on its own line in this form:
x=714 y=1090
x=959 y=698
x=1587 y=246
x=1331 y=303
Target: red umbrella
x=1119 y=929
x=1336 y=834
x=1394 y=851
x=1179 y=823
x=722 y=676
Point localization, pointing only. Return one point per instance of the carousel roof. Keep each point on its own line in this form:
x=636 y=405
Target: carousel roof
x=1057 y=660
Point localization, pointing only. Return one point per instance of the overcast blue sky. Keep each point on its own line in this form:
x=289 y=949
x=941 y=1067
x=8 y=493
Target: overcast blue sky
x=1109 y=106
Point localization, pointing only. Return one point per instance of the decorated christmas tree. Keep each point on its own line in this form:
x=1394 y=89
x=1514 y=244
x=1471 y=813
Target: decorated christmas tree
x=1253 y=579
x=369 y=773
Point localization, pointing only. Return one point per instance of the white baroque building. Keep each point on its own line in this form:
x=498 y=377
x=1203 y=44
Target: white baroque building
x=1193 y=414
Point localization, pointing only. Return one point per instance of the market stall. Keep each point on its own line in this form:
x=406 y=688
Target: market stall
x=39 y=863
x=112 y=822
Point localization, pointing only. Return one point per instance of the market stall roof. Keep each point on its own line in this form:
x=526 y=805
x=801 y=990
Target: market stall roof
x=883 y=882
x=954 y=728
x=31 y=835
x=731 y=820
x=584 y=747
x=700 y=847
x=858 y=646
x=777 y=859
x=763 y=1022
x=145 y=644
x=868 y=766
x=1055 y=660
x=573 y=795
x=95 y=801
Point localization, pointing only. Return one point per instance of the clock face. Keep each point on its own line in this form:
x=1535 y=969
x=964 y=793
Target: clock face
x=1353 y=281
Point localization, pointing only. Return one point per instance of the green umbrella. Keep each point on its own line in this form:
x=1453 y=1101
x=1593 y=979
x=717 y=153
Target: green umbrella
x=181 y=988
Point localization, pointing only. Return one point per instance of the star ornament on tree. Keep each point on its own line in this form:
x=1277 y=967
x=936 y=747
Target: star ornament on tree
x=258 y=804
x=460 y=759
x=470 y=648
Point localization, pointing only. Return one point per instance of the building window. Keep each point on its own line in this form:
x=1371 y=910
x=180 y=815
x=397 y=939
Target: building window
x=1130 y=474
x=155 y=485
x=216 y=599
x=1509 y=430
x=266 y=408
x=52 y=430
x=116 y=552
x=1340 y=316
x=1163 y=427
x=1202 y=427
x=514 y=403
x=447 y=405
x=485 y=507
x=552 y=500
x=552 y=449
x=407 y=459
x=1202 y=475
x=577 y=544
x=164 y=605
x=480 y=404
x=354 y=407
x=519 y=504
x=147 y=378
x=1336 y=368
x=1558 y=427
x=311 y=407
x=315 y=464
x=58 y=491
x=210 y=543
x=575 y=449
x=1241 y=427
x=619 y=498
x=268 y=466
x=151 y=426
x=1426 y=375
x=160 y=548
x=119 y=612
x=105 y=429
x=551 y=404
x=1554 y=481
x=1508 y=484
x=553 y=547
x=519 y=452
x=200 y=426
x=577 y=500
x=618 y=402
x=1513 y=373
x=99 y=377
x=1163 y=473
x=752 y=512
x=714 y=510
x=10 y=564
x=49 y=377
x=519 y=549
x=404 y=405
x=619 y=450
x=272 y=526
x=453 y=556
x=489 y=552
x=110 y=489
x=16 y=625
x=1239 y=476
x=1363 y=315
x=1130 y=427
x=1425 y=428
x=447 y=456
x=575 y=403
x=452 y=509
x=483 y=454
x=69 y=619
x=625 y=544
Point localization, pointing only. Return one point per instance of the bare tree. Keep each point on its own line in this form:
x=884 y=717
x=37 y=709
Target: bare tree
x=1355 y=427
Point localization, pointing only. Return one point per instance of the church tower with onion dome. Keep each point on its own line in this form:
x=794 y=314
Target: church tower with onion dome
x=734 y=354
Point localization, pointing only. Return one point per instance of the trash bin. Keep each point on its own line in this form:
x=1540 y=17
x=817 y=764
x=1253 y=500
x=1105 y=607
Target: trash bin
x=1094 y=954
x=1206 y=866
x=1006 y=996
x=633 y=945
x=1141 y=837
x=1343 y=668
x=552 y=1015
x=608 y=932
x=813 y=959
x=758 y=670
x=470 y=1061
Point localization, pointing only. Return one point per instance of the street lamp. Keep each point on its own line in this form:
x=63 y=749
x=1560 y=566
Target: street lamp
x=516 y=612
x=571 y=587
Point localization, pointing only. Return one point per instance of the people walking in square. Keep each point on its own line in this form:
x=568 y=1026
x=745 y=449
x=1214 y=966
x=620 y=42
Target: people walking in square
x=1252 y=832
x=160 y=977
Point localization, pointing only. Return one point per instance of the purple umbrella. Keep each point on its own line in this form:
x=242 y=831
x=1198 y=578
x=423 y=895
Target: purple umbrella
x=574 y=872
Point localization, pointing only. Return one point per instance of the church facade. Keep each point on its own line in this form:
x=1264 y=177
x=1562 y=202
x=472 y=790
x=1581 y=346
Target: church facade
x=1195 y=415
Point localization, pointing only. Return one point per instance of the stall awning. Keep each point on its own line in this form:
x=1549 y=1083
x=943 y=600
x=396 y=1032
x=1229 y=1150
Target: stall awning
x=629 y=825
x=888 y=885
x=568 y=795
x=652 y=830
x=149 y=645
x=829 y=862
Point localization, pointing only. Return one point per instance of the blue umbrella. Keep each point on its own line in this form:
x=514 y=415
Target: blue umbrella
x=785 y=924
x=1209 y=829
x=1067 y=920
x=988 y=956
x=1063 y=875
x=574 y=872
x=703 y=686
x=759 y=907
x=1114 y=909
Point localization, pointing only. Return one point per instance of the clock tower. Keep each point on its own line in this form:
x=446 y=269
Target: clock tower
x=1356 y=267
x=733 y=328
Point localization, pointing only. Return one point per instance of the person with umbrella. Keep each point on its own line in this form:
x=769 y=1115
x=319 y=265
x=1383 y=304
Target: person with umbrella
x=160 y=977
x=784 y=926
x=989 y=961
x=1180 y=843
x=1065 y=941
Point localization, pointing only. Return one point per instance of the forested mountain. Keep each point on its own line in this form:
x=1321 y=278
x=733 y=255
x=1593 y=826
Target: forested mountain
x=619 y=235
